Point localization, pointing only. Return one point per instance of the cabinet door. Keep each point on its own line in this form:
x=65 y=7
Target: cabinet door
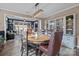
x=68 y=41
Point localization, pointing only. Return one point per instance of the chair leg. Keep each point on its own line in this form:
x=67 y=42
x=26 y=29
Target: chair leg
x=58 y=54
x=40 y=53
x=36 y=52
x=27 y=51
x=22 y=51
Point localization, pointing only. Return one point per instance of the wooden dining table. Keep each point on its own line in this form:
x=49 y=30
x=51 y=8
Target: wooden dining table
x=36 y=41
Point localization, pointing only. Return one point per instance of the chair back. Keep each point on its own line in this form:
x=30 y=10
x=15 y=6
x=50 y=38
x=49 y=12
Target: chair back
x=55 y=44
x=23 y=39
x=29 y=31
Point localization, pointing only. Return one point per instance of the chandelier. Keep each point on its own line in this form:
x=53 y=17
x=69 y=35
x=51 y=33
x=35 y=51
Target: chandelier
x=38 y=12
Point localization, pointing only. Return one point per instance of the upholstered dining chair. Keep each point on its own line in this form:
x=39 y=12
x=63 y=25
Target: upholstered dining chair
x=53 y=48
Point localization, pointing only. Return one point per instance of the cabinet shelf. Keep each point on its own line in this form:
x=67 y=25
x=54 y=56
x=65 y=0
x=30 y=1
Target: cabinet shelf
x=69 y=29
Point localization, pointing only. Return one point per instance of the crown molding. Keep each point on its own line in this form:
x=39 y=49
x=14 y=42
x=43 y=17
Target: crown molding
x=27 y=16
x=6 y=10
x=49 y=17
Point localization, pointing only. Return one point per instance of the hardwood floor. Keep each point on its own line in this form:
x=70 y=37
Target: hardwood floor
x=12 y=48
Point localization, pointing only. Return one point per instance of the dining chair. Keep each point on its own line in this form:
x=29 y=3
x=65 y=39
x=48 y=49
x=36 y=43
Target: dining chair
x=29 y=31
x=53 y=48
x=23 y=45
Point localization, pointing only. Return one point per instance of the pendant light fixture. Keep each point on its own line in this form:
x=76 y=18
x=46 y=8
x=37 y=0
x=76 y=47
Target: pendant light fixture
x=38 y=11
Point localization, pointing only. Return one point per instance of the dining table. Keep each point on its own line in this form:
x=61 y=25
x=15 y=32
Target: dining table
x=37 y=39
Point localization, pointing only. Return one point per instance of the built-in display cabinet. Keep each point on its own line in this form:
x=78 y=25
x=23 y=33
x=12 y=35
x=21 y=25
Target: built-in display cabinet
x=67 y=24
x=69 y=31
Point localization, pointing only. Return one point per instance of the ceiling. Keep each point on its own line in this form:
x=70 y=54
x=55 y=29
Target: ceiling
x=29 y=8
